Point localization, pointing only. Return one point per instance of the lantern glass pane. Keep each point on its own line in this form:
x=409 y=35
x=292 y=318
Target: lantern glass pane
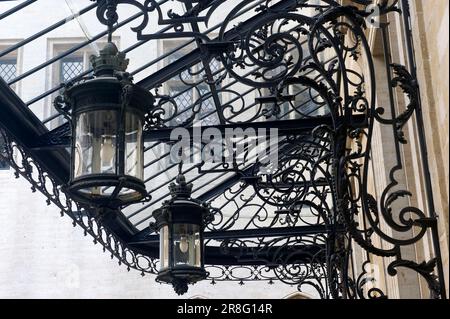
x=186 y=245
x=134 y=152
x=95 y=143
x=164 y=247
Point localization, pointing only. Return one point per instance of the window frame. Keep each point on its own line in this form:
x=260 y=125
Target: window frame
x=9 y=61
x=166 y=45
x=17 y=55
x=56 y=46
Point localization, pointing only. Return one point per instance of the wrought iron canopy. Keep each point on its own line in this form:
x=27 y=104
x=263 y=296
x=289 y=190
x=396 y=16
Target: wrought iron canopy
x=303 y=67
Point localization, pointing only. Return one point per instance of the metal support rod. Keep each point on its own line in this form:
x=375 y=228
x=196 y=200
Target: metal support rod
x=206 y=60
x=285 y=127
x=16 y=8
x=194 y=57
x=144 y=237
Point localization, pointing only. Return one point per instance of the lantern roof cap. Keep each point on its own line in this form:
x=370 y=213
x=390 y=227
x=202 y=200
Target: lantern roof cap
x=109 y=60
x=180 y=189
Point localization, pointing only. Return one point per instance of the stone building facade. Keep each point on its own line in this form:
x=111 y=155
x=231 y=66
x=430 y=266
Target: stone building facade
x=431 y=42
x=430 y=36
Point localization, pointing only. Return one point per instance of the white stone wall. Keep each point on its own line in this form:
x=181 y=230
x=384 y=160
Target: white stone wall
x=44 y=256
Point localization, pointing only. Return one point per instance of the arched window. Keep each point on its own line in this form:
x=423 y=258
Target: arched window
x=198 y=297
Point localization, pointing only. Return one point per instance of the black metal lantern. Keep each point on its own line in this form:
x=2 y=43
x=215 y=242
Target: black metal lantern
x=180 y=222
x=107 y=117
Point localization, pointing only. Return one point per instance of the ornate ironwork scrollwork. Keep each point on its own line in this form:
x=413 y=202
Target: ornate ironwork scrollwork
x=322 y=176
x=366 y=216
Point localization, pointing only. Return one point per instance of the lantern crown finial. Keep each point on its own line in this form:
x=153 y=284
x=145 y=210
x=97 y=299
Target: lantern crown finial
x=180 y=286
x=180 y=189
x=109 y=60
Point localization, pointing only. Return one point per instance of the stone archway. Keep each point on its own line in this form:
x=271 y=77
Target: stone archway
x=298 y=295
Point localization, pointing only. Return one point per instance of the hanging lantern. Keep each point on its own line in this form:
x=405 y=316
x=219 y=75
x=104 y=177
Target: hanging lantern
x=107 y=117
x=180 y=223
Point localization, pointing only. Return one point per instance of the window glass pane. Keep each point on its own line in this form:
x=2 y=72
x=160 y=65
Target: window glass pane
x=184 y=100
x=8 y=69
x=215 y=65
x=207 y=110
x=70 y=68
x=175 y=53
x=304 y=105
